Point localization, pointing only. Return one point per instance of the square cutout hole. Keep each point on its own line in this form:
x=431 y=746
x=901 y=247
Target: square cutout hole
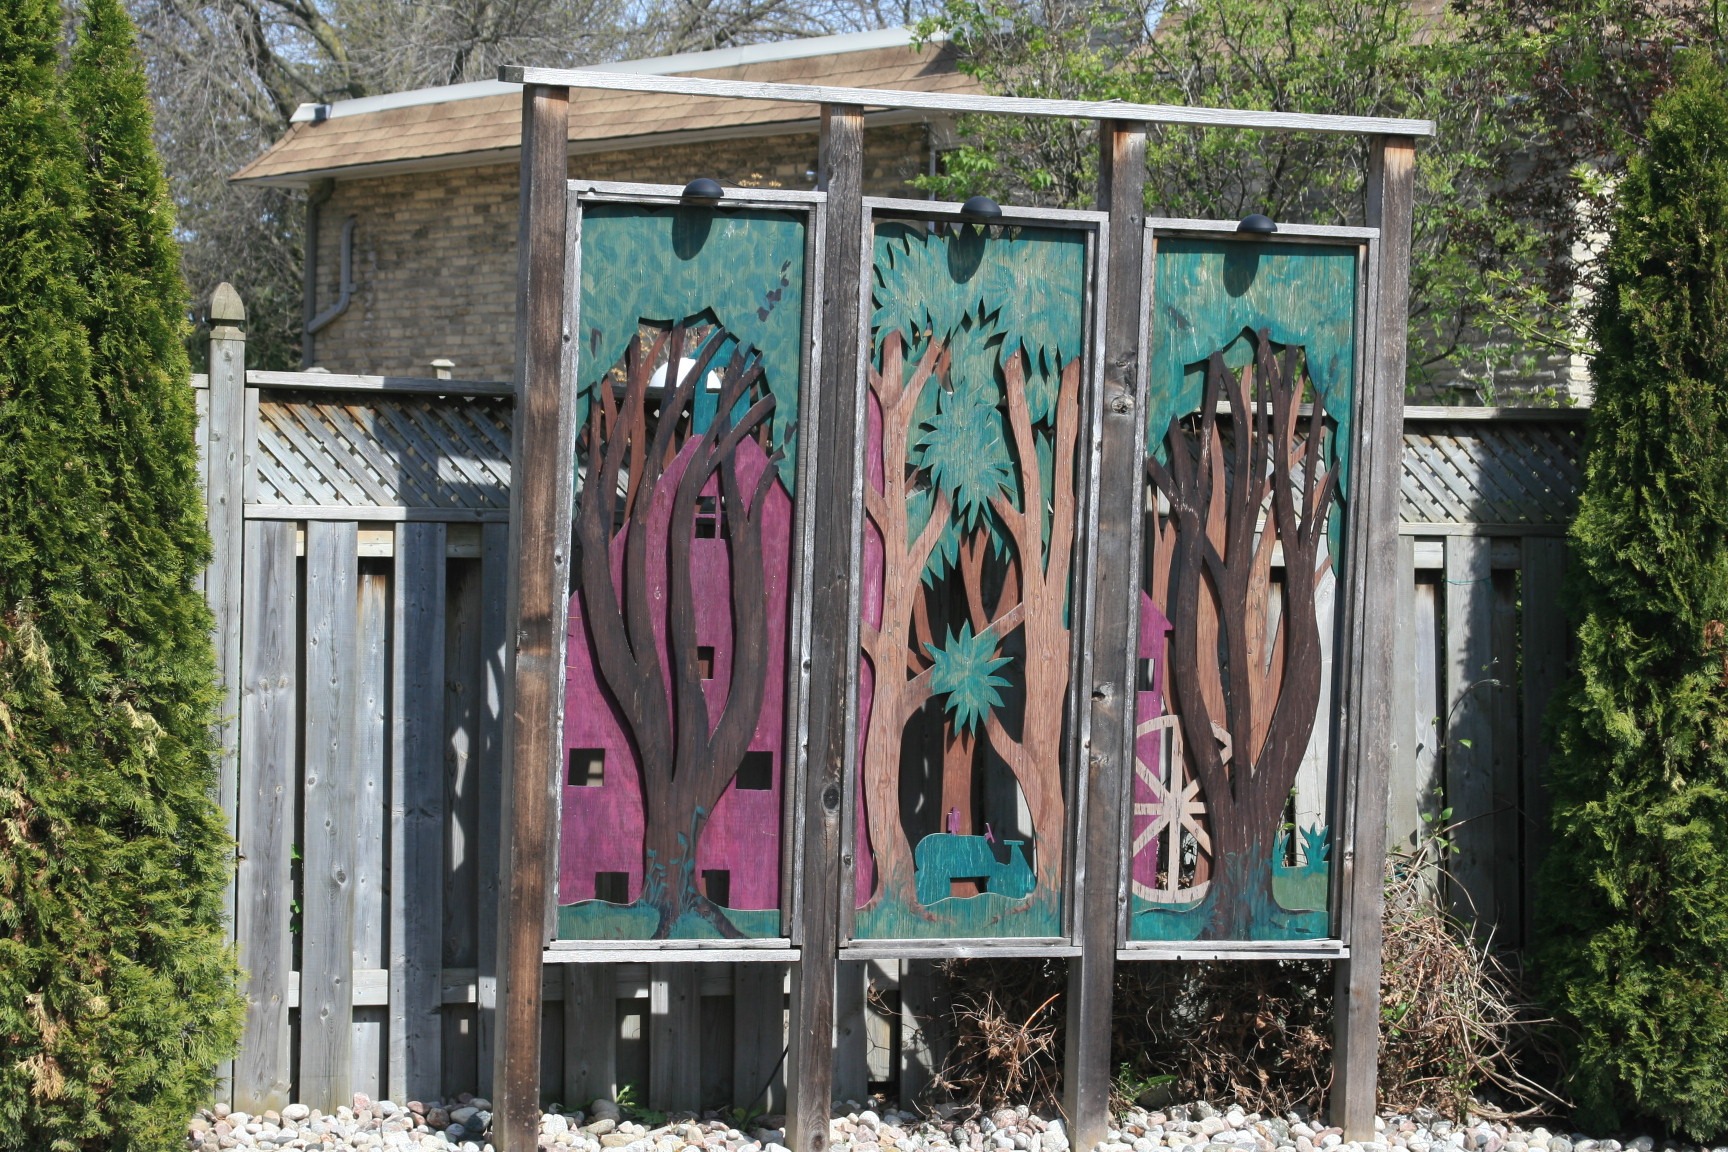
x=755 y=772
x=587 y=767
x=705 y=660
x=707 y=517
x=612 y=887
x=717 y=885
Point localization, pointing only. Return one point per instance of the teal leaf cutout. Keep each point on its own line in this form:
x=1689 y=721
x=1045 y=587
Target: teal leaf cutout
x=964 y=671
x=966 y=453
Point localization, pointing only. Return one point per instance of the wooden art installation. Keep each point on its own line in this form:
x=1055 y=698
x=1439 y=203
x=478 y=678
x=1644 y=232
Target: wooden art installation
x=676 y=703
x=971 y=498
x=1246 y=477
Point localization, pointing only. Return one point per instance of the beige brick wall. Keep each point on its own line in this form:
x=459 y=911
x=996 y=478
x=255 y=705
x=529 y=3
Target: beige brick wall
x=435 y=252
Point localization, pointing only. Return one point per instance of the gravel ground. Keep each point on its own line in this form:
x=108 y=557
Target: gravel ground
x=463 y=1124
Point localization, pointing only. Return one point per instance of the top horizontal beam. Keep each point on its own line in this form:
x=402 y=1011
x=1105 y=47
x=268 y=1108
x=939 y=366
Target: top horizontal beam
x=960 y=102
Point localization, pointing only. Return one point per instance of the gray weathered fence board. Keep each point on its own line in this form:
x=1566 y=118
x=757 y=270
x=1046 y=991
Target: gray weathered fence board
x=371 y=805
x=1469 y=727
x=674 y=1045
x=590 y=1033
x=759 y=1036
x=417 y=804
x=330 y=797
x=1544 y=662
x=264 y=891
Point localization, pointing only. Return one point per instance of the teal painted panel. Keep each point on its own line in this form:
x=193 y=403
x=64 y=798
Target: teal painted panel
x=744 y=267
x=1206 y=293
x=975 y=415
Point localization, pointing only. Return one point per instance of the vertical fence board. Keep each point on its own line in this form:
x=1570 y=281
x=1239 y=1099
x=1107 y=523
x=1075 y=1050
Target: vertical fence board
x=371 y=789
x=494 y=592
x=590 y=1034
x=1469 y=724
x=674 y=1042
x=1430 y=701
x=759 y=1036
x=416 y=811
x=268 y=706
x=851 y=1071
x=924 y=1002
x=327 y=938
x=1402 y=799
x=462 y=690
x=1504 y=821
x=1544 y=668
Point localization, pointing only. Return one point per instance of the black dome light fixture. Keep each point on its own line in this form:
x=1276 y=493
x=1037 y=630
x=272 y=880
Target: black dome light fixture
x=1257 y=223
x=981 y=208
x=704 y=191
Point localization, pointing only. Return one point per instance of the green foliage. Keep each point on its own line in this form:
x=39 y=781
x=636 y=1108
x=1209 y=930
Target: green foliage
x=117 y=996
x=1635 y=892
x=964 y=449
x=1471 y=260
x=964 y=670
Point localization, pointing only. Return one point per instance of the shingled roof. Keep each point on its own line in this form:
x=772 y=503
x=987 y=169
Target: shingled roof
x=471 y=124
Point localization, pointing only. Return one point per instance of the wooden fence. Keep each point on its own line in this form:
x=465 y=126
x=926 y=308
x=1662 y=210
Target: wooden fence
x=358 y=583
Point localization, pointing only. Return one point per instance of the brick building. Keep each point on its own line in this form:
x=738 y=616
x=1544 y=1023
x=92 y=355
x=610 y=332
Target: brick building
x=421 y=187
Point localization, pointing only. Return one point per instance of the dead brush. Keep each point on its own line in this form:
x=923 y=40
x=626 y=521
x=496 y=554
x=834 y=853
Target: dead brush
x=1458 y=1035
x=1006 y=1034
x=1457 y=1032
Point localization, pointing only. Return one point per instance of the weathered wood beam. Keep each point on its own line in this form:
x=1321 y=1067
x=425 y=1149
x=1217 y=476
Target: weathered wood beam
x=1371 y=733
x=1105 y=110
x=540 y=501
x=810 y=1068
x=1113 y=592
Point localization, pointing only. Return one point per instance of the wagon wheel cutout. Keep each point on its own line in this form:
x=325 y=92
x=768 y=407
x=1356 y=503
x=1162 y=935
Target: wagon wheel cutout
x=1158 y=823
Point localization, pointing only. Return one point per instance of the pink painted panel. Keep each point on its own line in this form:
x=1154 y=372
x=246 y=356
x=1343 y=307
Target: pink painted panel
x=603 y=825
x=1148 y=746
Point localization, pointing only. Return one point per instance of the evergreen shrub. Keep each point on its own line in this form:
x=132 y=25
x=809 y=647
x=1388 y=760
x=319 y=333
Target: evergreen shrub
x=117 y=994
x=1634 y=952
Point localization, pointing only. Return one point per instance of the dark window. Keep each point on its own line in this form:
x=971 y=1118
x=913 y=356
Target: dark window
x=756 y=772
x=612 y=887
x=705 y=660
x=717 y=885
x=1146 y=671
x=587 y=767
x=708 y=525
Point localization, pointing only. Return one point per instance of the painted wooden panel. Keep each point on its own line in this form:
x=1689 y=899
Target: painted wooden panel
x=971 y=500
x=692 y=325
x=1252 y=362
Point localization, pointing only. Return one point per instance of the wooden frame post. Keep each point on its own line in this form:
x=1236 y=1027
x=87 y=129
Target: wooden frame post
x=540 y=499
x=1371 y=732
x=1097 y=856
x=811 y=1049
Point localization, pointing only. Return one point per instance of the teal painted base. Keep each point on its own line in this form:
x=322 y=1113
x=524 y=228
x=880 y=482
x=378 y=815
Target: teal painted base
x=989 y=915
x=1298 y=912
x=599 y=920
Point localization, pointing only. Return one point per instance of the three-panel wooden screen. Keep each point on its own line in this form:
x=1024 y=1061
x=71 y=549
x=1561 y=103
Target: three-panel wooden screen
x=974 y=532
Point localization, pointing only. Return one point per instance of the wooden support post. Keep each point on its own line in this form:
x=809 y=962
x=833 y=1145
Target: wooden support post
x=1113 y=589
x=540 y=502
x=224 y=453
x=811 y=1059
x=330 y=852
x=1371 y=731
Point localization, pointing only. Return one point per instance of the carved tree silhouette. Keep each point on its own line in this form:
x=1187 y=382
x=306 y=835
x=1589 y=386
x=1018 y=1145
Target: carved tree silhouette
x=1247 y=700
x=686 y=759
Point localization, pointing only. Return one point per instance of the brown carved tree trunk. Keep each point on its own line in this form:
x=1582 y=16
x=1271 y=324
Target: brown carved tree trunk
x=899 y=689
x=1036 y=757
x=1246 y=700
x=685 y=762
